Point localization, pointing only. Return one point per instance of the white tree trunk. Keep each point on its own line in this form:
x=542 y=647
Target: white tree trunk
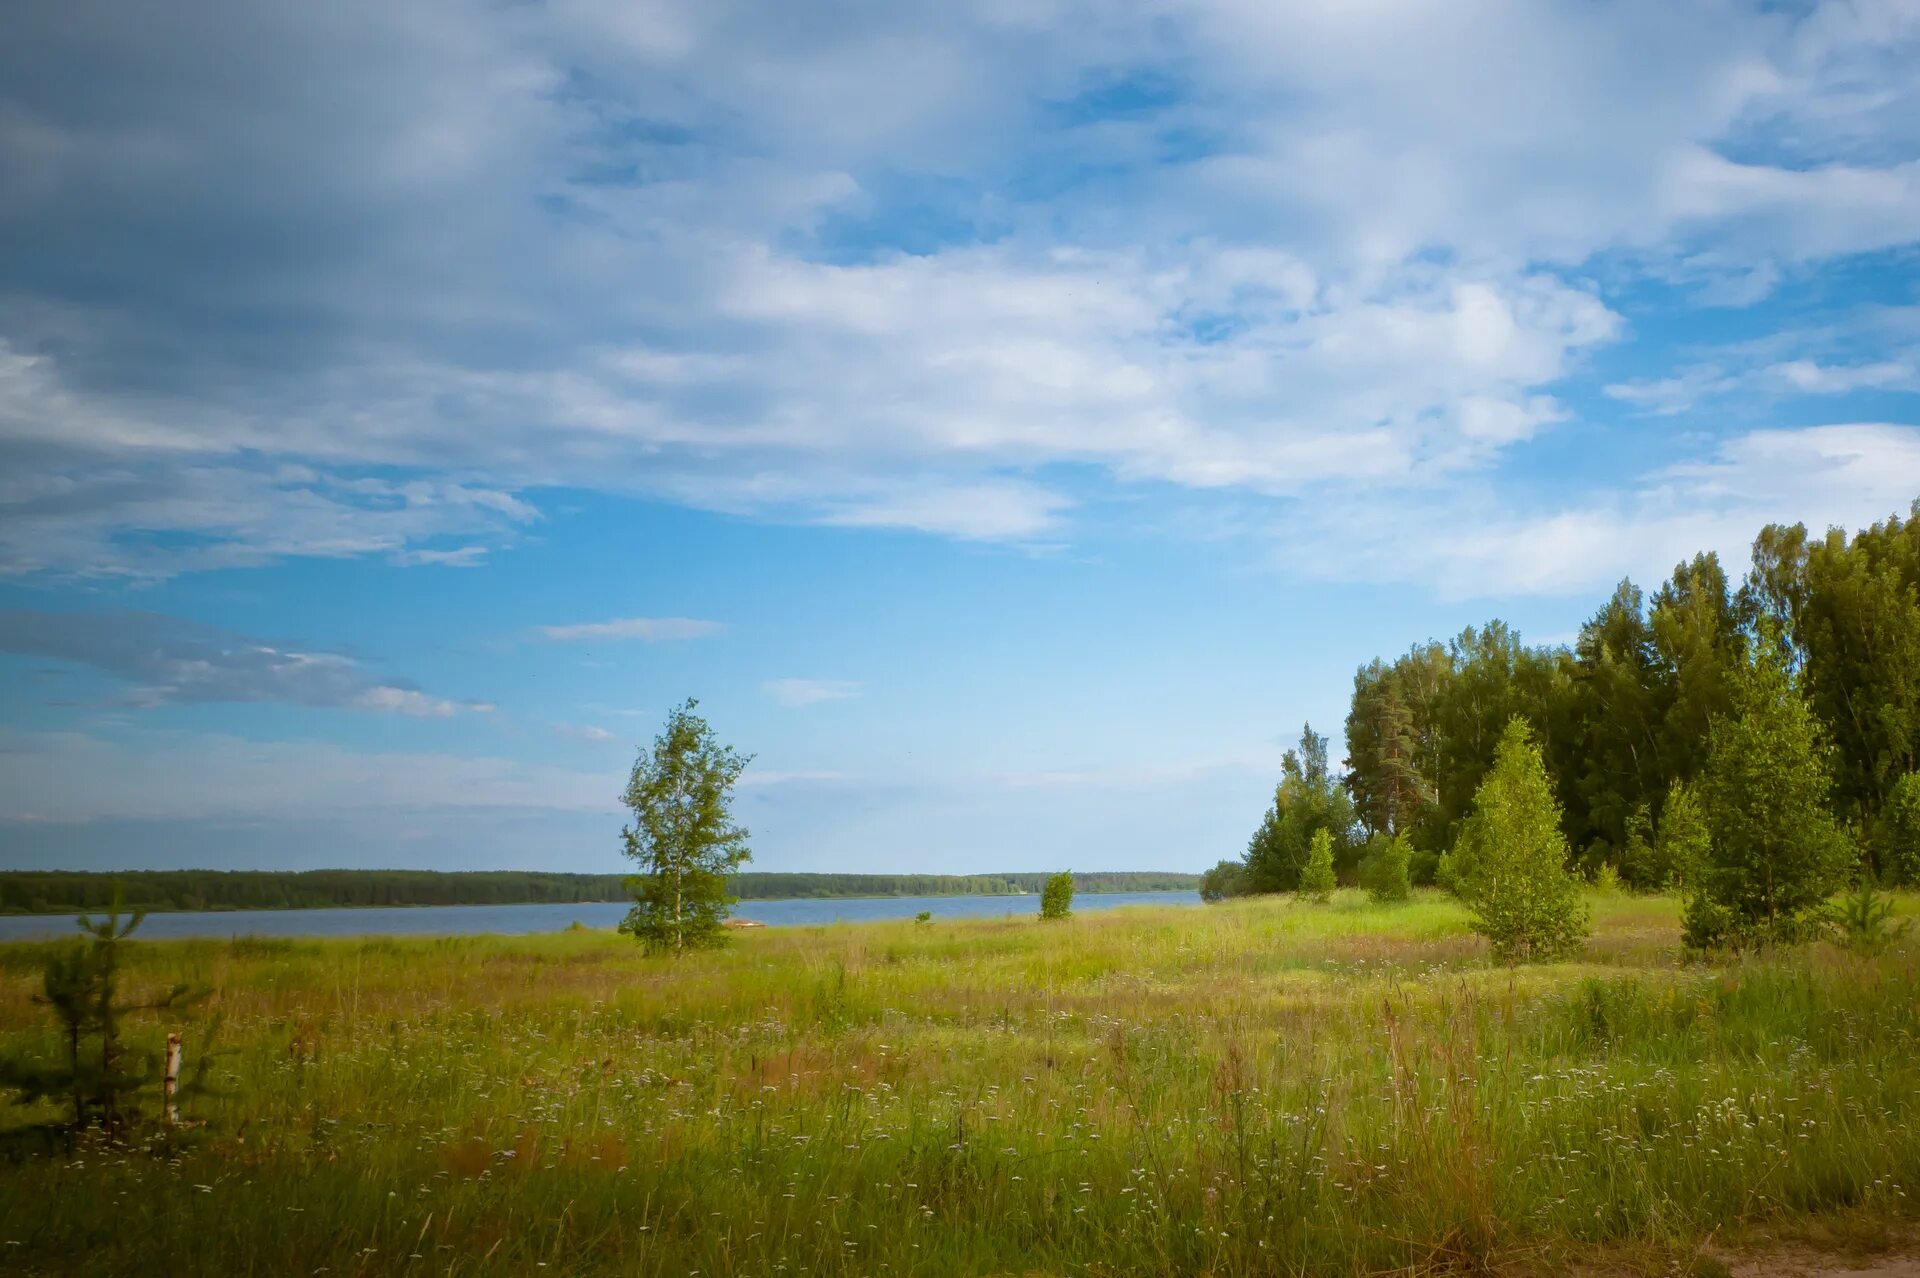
x=170 y=1081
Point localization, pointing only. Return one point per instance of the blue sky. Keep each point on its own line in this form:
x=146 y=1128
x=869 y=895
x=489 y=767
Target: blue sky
x=1011 y=421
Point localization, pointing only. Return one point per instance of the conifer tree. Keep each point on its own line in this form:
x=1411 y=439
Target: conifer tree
x=1775 y=853
x=1510 y=865
x=1316 y=876
x=1387 y=871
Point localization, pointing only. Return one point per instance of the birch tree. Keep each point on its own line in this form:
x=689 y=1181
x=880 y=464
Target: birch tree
x=683 y=836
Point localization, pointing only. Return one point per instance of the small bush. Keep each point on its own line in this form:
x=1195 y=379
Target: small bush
x=1866 y=919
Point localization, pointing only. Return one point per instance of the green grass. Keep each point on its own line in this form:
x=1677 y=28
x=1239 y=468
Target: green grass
x=1258 y=1087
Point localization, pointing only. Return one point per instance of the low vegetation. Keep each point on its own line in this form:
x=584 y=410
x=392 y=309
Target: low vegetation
x=1263 y=1086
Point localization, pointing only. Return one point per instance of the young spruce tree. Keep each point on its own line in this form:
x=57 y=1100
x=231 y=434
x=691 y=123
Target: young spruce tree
x=1510 y=865
x=1775 y=853
x=683 y=836
x=1387 y=871
x=1316 y=876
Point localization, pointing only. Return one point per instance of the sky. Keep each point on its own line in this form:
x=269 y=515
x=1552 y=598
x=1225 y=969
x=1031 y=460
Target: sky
x=1011 y=419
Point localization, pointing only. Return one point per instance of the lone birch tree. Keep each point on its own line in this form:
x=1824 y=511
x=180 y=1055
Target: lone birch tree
x=683 y=836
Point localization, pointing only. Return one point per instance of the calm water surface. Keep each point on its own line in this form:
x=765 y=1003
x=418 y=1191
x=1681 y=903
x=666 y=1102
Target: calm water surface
x=463 y=920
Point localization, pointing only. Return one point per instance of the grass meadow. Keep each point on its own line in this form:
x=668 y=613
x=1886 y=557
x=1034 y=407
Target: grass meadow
x=1250 y=1088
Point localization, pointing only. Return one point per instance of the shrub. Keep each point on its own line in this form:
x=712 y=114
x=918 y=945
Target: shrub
x=1606 y=880
x=1866 y=919
x=1386 y=874
x=1316 y=876
x=1229 y=878
x=1510 y=864
x=1056 y=898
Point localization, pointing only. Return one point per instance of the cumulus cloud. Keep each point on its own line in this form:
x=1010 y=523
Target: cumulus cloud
x=796 y=693
x=173 y=661
x=740 y=257
x=651 y=629
x=1844 y=475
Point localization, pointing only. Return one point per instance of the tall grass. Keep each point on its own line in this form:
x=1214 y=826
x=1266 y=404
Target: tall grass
x=1259 y=1087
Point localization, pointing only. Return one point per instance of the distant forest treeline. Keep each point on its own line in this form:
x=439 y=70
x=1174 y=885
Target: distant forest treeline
x=61 y=891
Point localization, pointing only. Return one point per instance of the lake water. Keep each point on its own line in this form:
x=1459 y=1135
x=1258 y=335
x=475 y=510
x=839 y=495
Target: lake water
x=467 y=920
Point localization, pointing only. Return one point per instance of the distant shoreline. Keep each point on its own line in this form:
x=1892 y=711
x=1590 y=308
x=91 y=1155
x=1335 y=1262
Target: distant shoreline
x=611 y=900
x=30 y=893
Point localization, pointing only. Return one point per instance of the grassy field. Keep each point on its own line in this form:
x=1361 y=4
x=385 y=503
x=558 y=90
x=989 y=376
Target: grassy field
x=1258 y=1087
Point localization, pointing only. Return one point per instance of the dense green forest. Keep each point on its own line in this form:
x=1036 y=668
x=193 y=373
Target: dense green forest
x=1625 y=716
x=56 y=891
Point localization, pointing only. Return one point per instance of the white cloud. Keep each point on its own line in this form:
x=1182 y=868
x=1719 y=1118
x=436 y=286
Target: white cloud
x=591 y=734
x=174 y=661
x=992 y=511
x=796 y=693
x=72 y=776
x=1847 y=475
x=668 y=253
x=651 y=629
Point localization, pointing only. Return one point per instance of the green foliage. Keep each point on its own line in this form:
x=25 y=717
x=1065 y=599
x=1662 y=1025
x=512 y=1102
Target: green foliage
x=1643 y=861
x=1896 y=834
x=1227 y=879
x=1606 y=880
x=1684 y=841
x=1386 y=872
x=1775 y=853
x=1307 y=800
x=1056 y=899
x=1316 y=876
x=1852 y=611
x=924 y=916
x=1384 y=747
x=1866 y=919
x=98 y=1074
x=1619 y=694
x=683 y=836
x=1627 y=714
x=1510 y=865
